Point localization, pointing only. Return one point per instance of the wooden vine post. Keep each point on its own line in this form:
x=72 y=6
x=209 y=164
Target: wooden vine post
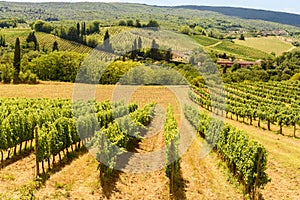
x=255 y=194
x=36 y=150
x=101 y=160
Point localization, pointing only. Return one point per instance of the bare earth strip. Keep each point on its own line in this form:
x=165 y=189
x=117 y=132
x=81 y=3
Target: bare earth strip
x=15 y=175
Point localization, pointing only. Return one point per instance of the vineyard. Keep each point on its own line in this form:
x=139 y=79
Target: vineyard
x=55 y=129
x=274 y=102
x=134 y=101
x=109 y=130
x=45 y=40
x=246 y=159
x=240 y=51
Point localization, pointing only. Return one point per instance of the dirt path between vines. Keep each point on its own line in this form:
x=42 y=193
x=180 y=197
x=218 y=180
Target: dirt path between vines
x=16 y=175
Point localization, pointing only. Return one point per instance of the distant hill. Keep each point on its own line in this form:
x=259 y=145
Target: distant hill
x=246 y=13
x=233 y=19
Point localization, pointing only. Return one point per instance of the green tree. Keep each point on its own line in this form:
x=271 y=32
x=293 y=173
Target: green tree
x=72 y=34
x=138 y=23
x=140 y=43
x=122 y=23
x=42 y=26
x=168 y=55
x=63 y=32
x=32 y=38
x=106 y=43
x=83 y=29
x=242 y=37
x=130 y=22
x=55 y=46
x=78 y=30
x=185 y=30
x=17 y=60
x=153 y=24
x=94 y=27
x=92 y=42
x=134 y=50
x=2 y=41
x=200 y=30
x=154 y=52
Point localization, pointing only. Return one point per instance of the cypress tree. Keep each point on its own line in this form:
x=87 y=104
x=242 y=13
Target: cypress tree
x=83 y=29
x=106 y=42
x=134 y=50
x=55 y=46
x=36 y=44
x=140 y=43
x=32 y=38
x=17 y=60
x=138 y=23
x=2 y=41
x=154 y=50
x=78 y=30
x=242 y=37
x=168 y=55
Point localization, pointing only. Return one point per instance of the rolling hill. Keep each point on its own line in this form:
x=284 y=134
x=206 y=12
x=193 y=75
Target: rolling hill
x=246 y=13
x=169 y=17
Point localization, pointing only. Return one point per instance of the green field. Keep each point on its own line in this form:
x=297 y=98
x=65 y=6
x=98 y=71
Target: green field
x=205 y=41
x=240 y=51
x=267 y=44
x=252 y=49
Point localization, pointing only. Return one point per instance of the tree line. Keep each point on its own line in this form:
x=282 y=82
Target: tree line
x=82 y=30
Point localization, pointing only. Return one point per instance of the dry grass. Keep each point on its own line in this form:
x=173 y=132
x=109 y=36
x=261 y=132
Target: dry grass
x=142 y=95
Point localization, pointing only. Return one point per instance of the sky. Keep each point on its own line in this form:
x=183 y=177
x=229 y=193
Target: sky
x=291 y=6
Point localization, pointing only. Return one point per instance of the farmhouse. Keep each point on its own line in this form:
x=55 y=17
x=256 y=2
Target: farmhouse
x=229 y=63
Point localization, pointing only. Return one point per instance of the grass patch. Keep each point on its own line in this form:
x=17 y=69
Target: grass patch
x=296 y=49
x=7 y=177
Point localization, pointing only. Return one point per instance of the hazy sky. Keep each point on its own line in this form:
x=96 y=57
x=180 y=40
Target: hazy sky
x=292 y=6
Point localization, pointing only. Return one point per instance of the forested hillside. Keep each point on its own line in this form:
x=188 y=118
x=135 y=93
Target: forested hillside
x=246 y=13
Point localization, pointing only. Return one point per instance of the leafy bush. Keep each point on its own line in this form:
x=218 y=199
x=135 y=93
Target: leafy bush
x=56 y=66
x=28 y=77
x=6 y=73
